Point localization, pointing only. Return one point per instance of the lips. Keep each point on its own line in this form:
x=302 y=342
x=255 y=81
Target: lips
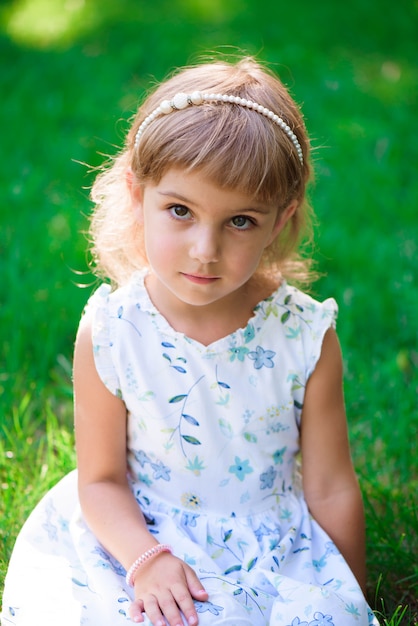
x=200 y=279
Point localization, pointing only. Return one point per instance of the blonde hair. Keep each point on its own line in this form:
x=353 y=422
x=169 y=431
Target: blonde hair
x=235 y=147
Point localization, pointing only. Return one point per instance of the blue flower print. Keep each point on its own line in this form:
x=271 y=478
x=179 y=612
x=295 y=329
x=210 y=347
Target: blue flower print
x=141 y=457
x=247 y=415
x=331 y=548
x=278 y=455
x=190 y=560
x=161 y=471
x=241 y=468
x=264 y=531
x=189 y=519
x=297 y=622
x=108 y=562
x=203 y=607
x=262 y=357
x=144 y=478
x=249 y=333
x=321 y=620
x=238 y=353
x=267 y=478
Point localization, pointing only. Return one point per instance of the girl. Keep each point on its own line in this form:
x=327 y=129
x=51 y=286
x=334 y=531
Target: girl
x=201 y=376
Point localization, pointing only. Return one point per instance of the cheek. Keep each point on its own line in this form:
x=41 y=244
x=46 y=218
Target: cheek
x=245 y=261
x=160 y=247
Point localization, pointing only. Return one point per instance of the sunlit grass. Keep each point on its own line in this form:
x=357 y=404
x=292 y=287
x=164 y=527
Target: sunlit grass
x=50 y=23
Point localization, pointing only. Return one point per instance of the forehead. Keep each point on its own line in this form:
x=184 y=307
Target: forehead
x=195 y=187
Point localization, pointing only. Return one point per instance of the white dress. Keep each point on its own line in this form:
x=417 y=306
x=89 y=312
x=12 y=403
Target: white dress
x=213 y=439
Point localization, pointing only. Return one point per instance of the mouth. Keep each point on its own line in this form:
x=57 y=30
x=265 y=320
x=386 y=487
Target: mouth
x=200 y=279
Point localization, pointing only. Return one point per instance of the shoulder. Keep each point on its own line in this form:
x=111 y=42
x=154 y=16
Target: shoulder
x=298 y=310
x=303 y=302
x=103 y=333
x=303 y=323
x=108 y=300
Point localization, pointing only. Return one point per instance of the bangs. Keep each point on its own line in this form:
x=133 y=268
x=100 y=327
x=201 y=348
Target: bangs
x=234 y=147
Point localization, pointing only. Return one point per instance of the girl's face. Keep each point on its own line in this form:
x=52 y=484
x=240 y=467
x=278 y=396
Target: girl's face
x=203 y=243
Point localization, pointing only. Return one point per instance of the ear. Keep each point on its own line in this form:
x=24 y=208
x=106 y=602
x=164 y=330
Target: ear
x=135 y=192
x=282 y=220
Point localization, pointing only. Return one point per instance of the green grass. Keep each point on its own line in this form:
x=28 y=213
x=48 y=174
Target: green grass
x=70 y=78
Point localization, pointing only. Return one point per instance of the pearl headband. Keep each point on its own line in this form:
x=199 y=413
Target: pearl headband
x=183 y=100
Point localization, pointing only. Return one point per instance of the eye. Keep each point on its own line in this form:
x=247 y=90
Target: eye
x=179 y=212
x=241 y=222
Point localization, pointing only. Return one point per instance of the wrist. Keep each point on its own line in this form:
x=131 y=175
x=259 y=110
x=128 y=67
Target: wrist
x=144 y=558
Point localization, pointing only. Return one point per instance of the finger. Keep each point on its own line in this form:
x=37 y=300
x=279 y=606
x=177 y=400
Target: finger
x=196 y=588
x=162 y=609
x=185 y=603
x=136 y=610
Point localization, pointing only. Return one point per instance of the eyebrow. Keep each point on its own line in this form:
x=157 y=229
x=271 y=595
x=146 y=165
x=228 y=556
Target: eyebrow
x=179 y=196
x=175 y=194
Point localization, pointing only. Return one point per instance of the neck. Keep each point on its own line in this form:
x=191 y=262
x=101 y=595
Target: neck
x=209 y=323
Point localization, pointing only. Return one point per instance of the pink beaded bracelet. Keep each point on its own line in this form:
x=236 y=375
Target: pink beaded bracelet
x=130 y=575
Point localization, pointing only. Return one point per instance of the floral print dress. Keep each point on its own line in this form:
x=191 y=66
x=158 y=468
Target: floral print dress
x=213 y=442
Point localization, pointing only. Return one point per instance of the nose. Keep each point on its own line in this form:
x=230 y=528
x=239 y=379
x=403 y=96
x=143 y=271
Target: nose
x=204 y=246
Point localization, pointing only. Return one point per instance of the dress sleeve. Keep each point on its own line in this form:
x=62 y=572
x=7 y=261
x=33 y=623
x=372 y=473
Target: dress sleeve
x=98 y=307
x=325 y=317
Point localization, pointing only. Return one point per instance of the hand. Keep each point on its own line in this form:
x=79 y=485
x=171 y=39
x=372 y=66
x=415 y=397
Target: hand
x=164 y=588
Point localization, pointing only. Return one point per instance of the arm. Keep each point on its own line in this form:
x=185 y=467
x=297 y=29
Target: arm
x=109 y=507
x=329 y=481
